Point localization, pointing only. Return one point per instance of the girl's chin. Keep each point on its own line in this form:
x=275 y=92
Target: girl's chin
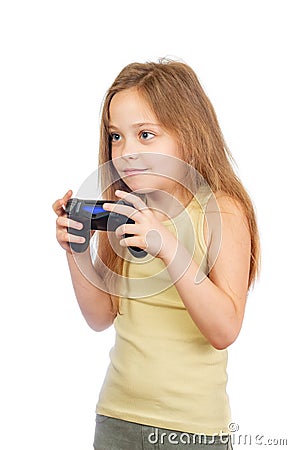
x=137 y=185
x=139 y=189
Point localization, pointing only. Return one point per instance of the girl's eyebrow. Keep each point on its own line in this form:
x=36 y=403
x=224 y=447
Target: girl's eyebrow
x=136 y=125
x=142 y=124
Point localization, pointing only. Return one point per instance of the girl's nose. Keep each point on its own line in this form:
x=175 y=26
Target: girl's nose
x=129 y=149
x=130 y=155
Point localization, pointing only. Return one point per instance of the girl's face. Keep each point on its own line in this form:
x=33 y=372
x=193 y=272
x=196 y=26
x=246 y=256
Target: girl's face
x=145 y=156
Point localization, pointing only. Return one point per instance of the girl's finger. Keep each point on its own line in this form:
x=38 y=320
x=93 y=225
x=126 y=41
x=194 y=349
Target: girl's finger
x=132 y=241
x=136 y=201
x=63 y=221
x=64 y=237
x=128 y=211
x=60 y=203
x=75 y=239
x=126 y=229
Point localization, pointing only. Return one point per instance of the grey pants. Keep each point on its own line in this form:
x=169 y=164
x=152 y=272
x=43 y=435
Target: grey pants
x=117 y=434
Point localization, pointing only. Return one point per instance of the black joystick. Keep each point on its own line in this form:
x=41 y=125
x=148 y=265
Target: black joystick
x=93 y=217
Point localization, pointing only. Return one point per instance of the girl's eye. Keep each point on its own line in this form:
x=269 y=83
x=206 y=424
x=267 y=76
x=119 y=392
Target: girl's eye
x=146 y=135
x=115 y=137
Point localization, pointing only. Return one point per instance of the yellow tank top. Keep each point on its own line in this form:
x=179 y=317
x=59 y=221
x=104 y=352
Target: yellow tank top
x=163 y=372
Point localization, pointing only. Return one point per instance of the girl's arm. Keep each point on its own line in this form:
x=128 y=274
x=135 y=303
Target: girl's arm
x=93 y=299
x=217 y=303
x=95 y=303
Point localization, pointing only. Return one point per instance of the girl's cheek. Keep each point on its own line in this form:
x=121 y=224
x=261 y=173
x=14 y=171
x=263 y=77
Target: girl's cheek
x=115 y=164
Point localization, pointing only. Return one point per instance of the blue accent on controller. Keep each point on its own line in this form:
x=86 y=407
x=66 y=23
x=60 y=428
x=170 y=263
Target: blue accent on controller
x=94 y=209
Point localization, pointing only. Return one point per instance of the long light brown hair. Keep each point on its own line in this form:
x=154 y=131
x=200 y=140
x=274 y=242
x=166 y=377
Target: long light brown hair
x=175 y=95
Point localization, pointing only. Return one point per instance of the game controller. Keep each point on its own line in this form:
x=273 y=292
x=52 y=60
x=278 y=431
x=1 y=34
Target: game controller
x=93 y=217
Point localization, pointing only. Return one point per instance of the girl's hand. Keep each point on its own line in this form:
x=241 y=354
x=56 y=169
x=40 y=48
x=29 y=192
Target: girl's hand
x=62 y=224
x=149 y=233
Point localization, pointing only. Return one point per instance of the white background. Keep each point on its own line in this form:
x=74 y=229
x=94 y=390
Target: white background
x=57 y=60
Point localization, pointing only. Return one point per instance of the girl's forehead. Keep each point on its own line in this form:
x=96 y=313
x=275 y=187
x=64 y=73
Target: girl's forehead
x=130 y=103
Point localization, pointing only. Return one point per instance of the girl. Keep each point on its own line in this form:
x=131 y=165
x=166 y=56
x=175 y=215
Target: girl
x=177 y=310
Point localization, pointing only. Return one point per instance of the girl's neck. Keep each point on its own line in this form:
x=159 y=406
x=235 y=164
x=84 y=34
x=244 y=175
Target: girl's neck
x=167 y=205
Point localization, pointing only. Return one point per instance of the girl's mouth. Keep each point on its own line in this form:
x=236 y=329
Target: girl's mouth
x=133 y=171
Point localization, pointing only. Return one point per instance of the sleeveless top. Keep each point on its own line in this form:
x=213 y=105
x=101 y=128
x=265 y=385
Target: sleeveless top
x=163 y=372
